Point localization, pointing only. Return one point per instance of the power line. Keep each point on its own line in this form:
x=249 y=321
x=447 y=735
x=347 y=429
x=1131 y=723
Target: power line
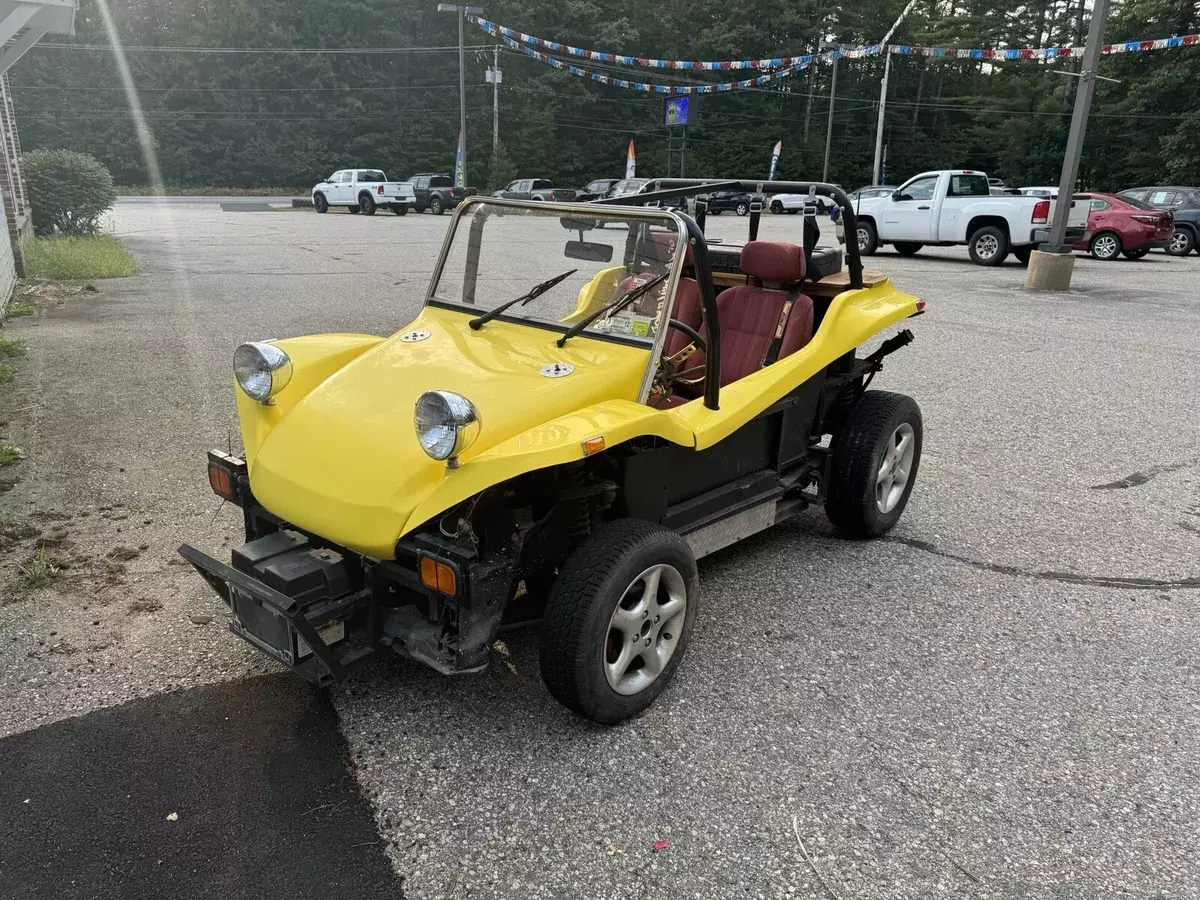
x=354 y=51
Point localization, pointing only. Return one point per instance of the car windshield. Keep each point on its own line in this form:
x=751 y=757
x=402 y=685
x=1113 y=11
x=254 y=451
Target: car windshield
x=498 y=252
x=1137 y=204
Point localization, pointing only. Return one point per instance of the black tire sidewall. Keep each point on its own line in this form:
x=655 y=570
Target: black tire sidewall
x=435 y=206
x=366 y=204
x=1189 y=247
x=1001 y=254
x=777 y=207
x=741 y=209
x=872 y=238
x=580 y=607
x=857 y=451
x=320 y=204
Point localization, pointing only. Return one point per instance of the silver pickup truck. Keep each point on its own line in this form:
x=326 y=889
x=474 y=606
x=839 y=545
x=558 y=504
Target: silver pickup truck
x=363 y=190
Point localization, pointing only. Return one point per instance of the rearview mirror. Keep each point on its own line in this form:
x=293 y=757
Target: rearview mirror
x=578 y=224
x=586 y=250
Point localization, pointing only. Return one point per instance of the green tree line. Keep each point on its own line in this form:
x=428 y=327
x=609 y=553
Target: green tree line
x=278 y=119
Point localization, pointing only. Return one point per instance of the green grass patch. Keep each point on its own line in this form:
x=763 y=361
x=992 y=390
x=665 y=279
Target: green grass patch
x=11 y=348
x=18 y=308
x=175 y=190
x=7 y=373
x=95 y=256
x=39 y=570
x=10 y=453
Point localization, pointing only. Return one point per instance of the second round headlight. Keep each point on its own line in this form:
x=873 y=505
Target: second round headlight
x=262 y=369
x=446 y=423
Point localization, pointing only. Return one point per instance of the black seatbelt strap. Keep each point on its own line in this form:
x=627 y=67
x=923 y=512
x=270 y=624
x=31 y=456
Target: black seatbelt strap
x=784 y=315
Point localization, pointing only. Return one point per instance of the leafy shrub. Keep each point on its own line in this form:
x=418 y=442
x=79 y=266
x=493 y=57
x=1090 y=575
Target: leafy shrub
x=68 y=191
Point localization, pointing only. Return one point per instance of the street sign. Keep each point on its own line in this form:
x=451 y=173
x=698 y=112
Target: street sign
x=678 y=111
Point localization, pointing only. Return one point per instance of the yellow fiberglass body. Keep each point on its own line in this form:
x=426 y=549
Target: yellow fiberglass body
x=336 y=454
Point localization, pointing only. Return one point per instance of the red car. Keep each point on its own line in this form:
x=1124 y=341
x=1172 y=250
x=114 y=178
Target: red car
x=1123 y=226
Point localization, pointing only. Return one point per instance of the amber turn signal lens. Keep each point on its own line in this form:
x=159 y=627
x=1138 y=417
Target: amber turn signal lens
x=438 y=576
x=221 y=482
x=593 y=445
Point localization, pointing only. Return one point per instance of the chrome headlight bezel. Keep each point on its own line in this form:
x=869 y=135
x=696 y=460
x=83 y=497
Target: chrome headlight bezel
x=446 y=424
x=262 y=369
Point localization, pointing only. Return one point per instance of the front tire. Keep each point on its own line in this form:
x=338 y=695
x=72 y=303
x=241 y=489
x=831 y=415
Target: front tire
x=1183 y=241
x=907 y=248
x=868 y=238
x=776 y=207
x=435 y=206
x=742 y=209
x=988 y=246
x=320 y=204
x=618 y=620
x=876 y=453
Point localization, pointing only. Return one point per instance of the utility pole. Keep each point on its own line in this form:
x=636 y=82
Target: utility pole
x=887 y=70
x=829 y=126
x=1079 y=120
x=494 y=78
x=462 y=12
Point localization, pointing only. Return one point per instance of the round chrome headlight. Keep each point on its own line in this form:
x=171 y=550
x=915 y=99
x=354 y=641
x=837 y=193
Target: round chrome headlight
x=446 y=424
x=262 y=369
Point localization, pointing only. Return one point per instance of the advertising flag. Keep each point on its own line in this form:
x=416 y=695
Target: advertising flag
x=775 y=159
x=631 y=162
x=460 y=177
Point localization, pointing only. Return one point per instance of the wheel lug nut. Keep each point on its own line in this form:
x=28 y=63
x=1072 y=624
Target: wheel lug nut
x=647 y=642
x=644 y=614
x=656 y=618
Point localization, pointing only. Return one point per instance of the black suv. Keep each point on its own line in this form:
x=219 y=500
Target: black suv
x=1184 y=202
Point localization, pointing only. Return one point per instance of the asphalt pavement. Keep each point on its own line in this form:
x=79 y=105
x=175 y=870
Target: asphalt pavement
x=997 y=700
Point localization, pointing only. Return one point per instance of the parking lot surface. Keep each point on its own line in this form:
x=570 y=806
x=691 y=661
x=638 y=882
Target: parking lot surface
x=996 y=700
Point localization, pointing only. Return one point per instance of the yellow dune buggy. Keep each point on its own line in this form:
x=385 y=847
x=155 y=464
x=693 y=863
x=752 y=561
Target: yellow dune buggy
x=593 y=398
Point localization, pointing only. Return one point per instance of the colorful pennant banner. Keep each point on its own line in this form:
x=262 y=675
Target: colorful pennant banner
x=1187 y=40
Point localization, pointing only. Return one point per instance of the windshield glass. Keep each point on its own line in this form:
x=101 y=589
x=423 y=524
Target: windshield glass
x=498 y=253
x=1137 y=204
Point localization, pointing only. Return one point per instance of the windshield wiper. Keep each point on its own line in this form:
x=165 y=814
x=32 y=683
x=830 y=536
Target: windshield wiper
x=615 y=307
x=534 y=292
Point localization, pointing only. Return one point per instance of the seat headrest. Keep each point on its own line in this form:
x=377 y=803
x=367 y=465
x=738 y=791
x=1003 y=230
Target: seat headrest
x=773 y=261
x=661 y=248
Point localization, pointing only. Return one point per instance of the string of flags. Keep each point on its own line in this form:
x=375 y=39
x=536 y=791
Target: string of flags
x=783 y=66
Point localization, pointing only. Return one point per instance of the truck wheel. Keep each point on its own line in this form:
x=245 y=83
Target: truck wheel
x=435 y=205
x=1106 y=246
x=366 y=204
x=618 y=620
x=320 y=204
x=988 y=246
x=400 y=209
x=776 y=207
x=1022 y=254
x=907 y=248
x=742 y=208
x=1182 y=242
x=868 y=238
x=875 y=457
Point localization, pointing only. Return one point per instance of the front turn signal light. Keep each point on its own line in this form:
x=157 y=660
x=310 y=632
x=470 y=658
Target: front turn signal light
x=439 y=576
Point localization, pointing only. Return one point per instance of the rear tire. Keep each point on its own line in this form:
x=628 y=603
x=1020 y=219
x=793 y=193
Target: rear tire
x=988 y=246
x=907 y=248
x=776 y=207
x=366 y=204
x=435 y=205
x=1183 y=241
x=605 y=633
x=742 y=209
x=1135 y=254
x=876 y=453
x=1106 y=246
x=868 y=238
x=320 y=204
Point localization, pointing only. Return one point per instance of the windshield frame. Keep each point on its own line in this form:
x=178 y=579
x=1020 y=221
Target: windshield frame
x=467 y=209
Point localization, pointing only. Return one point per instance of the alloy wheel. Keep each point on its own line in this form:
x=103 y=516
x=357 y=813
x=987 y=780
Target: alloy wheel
x=863 y=240
x=644 y=630
x=987 y=247
x=1179 y=242
x=1105 y=246
x=893 y=473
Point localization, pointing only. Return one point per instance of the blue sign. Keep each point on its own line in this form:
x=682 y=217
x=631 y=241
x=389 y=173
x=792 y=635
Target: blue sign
x=678 y=111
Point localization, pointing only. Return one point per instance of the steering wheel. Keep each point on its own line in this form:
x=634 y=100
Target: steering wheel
x=690 y=332
x=670 y=371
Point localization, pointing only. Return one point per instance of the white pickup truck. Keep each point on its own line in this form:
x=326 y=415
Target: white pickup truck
x=363 y=190
x=955 y=206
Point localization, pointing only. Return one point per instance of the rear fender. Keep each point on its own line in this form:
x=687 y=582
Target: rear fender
x=314 y=359
x=551 y=444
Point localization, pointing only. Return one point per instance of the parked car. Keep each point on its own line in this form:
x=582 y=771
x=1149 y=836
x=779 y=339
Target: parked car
x=728 y=201
x=541 y=447
x=541 y=189
x=1122 y=226
x=1184 y=203
x=794 y=203
x=436 y=192
x=955 y=206
x=627 y=186
x=594 y=190
x=363 y=190
x=1044 y=193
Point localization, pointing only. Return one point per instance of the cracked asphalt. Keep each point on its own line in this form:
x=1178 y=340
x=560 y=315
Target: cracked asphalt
x=999 y=700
